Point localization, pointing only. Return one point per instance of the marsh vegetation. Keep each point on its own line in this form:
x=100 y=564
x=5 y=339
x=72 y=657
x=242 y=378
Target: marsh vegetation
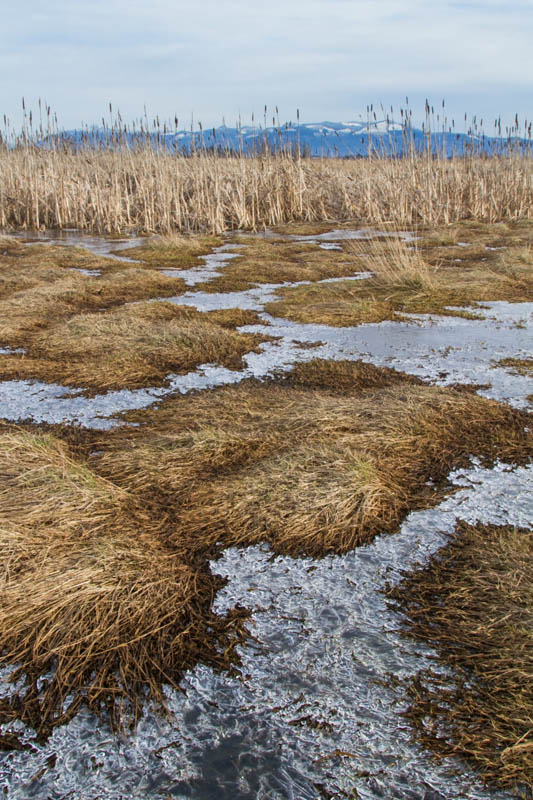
x=436 y=273
x=473 y=599
x=108 y=538
x=149 y=190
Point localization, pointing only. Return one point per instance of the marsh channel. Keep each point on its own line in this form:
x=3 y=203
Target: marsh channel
x=313 y=711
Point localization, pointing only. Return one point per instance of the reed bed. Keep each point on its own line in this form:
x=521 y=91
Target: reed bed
x=472 y=603
x=153 y=190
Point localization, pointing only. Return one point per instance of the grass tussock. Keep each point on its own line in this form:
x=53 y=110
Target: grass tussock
x=473 y=602
x=96 y=606
x=297 y=465
x=105 y=590
x=25 y=266
x=416 y=279
x=394 y=264
x=131 y=346
x=42 y=303
x=174 y=250
x=111 y=191
x=267 y=260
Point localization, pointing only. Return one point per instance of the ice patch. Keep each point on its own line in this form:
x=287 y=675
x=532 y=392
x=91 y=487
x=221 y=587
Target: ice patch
x=311 y=706
x=214 y=262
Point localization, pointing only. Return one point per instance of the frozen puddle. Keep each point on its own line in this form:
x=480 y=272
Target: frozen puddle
x=336 y=235
x=214 y=262
x=441 y=349
x=310 y=706
x=350 y=234
x=444 y=350
x=254 y=299
x=99 y=245
x=93 y=273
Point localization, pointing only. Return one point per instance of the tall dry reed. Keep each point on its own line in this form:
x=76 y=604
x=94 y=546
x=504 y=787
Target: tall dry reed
x=119 y=190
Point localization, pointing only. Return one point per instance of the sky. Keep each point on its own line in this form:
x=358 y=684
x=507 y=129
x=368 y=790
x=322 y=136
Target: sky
x=215 y=61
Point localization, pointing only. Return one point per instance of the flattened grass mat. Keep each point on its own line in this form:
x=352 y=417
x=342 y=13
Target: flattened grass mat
x=105 y=587
x=473 y=603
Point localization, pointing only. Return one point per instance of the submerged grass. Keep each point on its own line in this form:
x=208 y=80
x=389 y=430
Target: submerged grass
x=97 y=606
x=522 y=366
x=473 y=603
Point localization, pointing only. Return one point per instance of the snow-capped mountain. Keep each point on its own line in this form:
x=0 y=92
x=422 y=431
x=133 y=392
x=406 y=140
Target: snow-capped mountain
x=341 y=139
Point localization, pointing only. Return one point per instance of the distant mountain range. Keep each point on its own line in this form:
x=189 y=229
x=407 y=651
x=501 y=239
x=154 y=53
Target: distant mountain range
x=341 y=139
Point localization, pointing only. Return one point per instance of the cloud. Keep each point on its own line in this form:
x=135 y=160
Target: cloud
x=215 y=59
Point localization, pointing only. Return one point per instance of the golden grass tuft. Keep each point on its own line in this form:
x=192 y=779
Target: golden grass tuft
x=394 y=264
x=303 y=468
x=473 y=602
x=96 y=606
x=131 y=346
x=173 y=250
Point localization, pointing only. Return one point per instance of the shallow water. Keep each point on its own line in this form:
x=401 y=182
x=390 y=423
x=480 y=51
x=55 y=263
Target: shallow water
x=311 y=705
x=99 y=245
x=444 y=350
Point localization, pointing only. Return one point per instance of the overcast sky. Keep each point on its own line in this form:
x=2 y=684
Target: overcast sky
x=217 y=59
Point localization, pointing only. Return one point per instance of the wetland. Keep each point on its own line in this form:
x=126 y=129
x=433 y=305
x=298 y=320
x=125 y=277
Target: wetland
x=247 y=482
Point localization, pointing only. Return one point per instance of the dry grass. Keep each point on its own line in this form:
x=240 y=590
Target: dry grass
x=132 y=346
x=84 y=331
x=394 y=264
x=409 y=279
x=96 y=606
x=474 y=603
x=173 y=250
x=44 y=289
x=145 y=190
x=105 y=588
x=522 y=366
x=320 y=462
x=26 y=266
x=266 y=260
